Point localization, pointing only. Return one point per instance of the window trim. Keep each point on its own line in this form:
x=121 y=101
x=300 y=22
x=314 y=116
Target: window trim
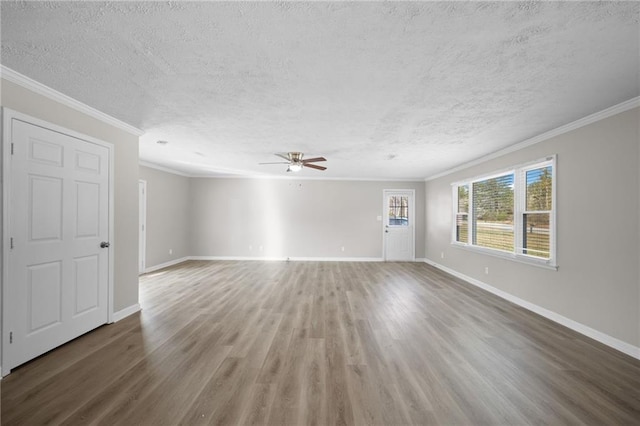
x=519 y=171
x=454 y=230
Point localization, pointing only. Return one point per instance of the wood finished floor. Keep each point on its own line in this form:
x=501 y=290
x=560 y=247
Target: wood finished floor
x=323 y=343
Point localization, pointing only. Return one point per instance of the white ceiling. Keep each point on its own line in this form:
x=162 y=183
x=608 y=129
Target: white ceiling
x=382 y=90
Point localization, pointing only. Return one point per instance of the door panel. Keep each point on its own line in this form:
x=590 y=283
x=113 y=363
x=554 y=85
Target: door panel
x=44 y=295
x=88 y=211
x=87 y=162
x=86 y=283
x=45 y=208
x=58 y=213
x=45 y=152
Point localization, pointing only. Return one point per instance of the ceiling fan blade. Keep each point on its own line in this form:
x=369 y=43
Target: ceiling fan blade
x=284 y=156
x=313 y=160
x=279 y=162
x=313 y=166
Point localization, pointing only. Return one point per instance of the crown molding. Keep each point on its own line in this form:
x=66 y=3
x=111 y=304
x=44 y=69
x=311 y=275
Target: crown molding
x=585 y=121
x=341 y=179
x=269 y=177
x=163 y=168
x=298 y=177
x=39 y=88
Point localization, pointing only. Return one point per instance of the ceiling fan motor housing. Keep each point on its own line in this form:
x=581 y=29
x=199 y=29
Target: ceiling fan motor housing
x=295 y=157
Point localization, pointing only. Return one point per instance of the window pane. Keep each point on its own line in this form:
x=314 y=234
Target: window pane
x=535 y=235
x=493 y=213
x=398 y=210
x=462 y=228
x=463 y=199
x=539 y=189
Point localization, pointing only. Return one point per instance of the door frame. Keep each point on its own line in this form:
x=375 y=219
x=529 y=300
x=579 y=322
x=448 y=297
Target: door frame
x=8 y=115
x=412 y=215
x=142 y=214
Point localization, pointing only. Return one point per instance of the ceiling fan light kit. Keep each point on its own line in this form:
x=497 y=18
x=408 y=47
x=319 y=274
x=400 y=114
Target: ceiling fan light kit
x=295 y=162
x=294 y=167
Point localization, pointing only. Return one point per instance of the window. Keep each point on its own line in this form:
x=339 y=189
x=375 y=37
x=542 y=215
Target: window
x=398 y=210
x=536 y=215
x=510 y=214
x=492 y=209
x=462 y=214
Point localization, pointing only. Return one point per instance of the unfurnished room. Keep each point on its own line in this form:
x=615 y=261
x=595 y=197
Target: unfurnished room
x=320 y=213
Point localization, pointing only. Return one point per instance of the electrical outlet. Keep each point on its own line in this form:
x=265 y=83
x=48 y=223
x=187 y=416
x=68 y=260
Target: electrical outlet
x=441 y=255
x=486 y=270
x=342 y=248
x=250 y=247
x=170 y=251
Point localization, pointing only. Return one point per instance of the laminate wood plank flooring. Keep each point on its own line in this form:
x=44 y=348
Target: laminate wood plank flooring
x=323 y=343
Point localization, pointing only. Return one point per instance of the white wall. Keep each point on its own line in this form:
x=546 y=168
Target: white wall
x=598 y=193
x=167 y=216
x=293 y=218
x=125 y=144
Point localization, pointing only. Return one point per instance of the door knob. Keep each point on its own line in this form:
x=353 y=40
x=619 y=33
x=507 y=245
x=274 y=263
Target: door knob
x=104 y=244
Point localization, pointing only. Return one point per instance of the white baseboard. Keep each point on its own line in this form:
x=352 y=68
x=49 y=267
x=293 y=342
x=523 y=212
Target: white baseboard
x=123 y=313
x=335 y=259
x=601 y=337
x=277 y=259
x=166 y=264
x=117 y=316
x=236 y=258
x=292 y=259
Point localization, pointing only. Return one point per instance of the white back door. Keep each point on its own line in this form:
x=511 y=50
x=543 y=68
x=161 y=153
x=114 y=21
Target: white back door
x=399 y=236
x=58 y=219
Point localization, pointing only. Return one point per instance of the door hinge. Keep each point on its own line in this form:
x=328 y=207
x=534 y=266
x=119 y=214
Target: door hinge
x=11 y=148
x=11 y=337
x=11 y=243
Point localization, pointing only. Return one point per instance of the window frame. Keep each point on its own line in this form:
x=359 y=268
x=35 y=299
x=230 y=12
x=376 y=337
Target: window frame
x=401 y=208
x=519 y=210
x=457 y=212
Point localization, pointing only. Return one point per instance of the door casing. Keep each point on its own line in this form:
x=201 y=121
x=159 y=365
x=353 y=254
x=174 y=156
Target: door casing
x=142 y=226
x=8 y=115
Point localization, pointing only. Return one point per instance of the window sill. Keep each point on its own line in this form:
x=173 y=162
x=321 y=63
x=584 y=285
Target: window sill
x=540 y=263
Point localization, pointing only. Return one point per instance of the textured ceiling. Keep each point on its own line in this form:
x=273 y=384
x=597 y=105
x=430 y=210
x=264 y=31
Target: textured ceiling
x=382 y=90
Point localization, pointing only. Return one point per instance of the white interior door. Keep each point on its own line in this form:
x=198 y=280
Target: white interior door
x=399 y=234
x=58 y=224
x=142 y=225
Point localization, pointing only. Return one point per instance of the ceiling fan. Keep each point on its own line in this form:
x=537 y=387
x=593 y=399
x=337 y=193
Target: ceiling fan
x=296 y=163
